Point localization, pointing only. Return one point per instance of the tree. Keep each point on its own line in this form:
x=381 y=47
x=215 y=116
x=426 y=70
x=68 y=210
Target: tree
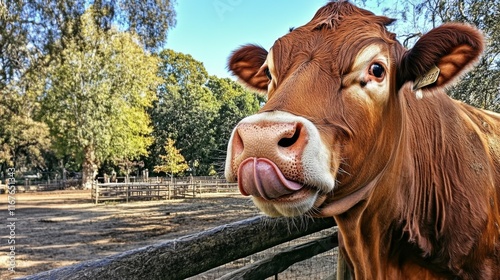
x=198 y=111
x=22 y=140
x=479 y=87
x=150 y=20
x=36 y=30
x=236 y=102
x=185 y=110
x=95 y=97
x=172 y=162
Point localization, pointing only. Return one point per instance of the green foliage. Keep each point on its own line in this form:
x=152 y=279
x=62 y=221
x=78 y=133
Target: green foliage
x=185 y=108
x=172 y=162
x=22 y=140
x=150 y=20
x=196 y=110
x=95 y=97
x=38 y=35
x=81 y=88
x=235 y=103
x=33 y=29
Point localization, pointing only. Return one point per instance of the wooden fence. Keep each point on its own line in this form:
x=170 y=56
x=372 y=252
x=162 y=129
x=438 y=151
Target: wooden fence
x=34 y=185
x=159 y=189
x=194 y=254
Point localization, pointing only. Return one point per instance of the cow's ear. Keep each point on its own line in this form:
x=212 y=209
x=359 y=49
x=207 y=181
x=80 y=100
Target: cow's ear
x=246 y=62
x=440 y=56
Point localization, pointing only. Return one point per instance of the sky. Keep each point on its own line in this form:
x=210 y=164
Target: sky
x=209 y=30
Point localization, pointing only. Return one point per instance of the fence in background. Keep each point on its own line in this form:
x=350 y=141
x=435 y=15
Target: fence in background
x=37 y=185
x=126 y=189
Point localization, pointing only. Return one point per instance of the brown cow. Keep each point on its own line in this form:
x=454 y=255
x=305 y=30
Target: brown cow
x=361 y=129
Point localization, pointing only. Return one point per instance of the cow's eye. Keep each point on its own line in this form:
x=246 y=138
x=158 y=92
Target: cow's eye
x=377 y=70
x=268 y=73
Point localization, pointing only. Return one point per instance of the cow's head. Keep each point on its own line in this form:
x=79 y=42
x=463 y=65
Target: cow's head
x=333 y=116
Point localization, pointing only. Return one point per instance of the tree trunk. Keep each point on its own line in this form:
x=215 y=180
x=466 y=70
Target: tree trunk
x=89 y=167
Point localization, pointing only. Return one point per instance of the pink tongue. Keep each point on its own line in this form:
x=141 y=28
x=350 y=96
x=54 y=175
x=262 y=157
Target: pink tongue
x=261 y=177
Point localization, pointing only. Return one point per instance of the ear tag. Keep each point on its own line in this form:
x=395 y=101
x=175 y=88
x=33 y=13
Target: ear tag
x=427 y=79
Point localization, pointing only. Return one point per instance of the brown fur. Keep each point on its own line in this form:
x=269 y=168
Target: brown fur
x=435 y=162
x=246 y=62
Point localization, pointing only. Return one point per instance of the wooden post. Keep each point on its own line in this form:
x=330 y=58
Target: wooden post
x=96 y=192
x=92 y=192
x=194 y=189
x=127 y=189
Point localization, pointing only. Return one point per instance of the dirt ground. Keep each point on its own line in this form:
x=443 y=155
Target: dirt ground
x=55 y=229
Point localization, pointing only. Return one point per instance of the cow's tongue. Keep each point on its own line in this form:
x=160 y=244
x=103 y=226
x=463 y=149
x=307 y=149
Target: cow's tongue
x=261 y=177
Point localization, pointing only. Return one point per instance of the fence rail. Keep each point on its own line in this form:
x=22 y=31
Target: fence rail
x=32 y=185
x=281 y=261
x=191 y=255
x=159 y=189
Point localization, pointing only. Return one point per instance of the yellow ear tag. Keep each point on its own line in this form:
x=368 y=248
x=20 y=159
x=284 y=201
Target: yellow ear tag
x=428 y=79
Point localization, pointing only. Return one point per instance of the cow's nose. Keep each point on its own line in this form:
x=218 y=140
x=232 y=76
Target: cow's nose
x=267 y=157
x=275 y=141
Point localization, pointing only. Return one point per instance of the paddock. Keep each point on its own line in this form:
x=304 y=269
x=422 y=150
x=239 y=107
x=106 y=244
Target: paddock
x=64 y=229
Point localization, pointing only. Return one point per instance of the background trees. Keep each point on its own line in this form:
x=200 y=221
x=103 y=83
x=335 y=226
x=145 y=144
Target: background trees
x=193 y=109
x=35 y=37
x=33 y=29
x=22 y=140
x=235 y=103
x=96 y=95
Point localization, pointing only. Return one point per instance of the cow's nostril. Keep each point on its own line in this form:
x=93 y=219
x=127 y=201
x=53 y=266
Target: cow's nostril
x=287 y=142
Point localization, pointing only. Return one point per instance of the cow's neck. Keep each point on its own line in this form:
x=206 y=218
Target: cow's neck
x=365 y=230
x=373 y=239
x=370 y=237
x=422 y=207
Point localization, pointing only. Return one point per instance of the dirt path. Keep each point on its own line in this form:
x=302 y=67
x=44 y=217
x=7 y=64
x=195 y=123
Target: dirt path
x=56 y=229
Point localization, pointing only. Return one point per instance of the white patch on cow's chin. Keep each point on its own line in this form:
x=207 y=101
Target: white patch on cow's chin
x=373 y=91
x=290 y=209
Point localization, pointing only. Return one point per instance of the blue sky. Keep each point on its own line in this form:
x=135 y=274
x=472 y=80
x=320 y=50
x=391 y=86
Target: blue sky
x=210 y=30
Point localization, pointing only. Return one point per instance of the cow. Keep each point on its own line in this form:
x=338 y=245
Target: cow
x=359 y=128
